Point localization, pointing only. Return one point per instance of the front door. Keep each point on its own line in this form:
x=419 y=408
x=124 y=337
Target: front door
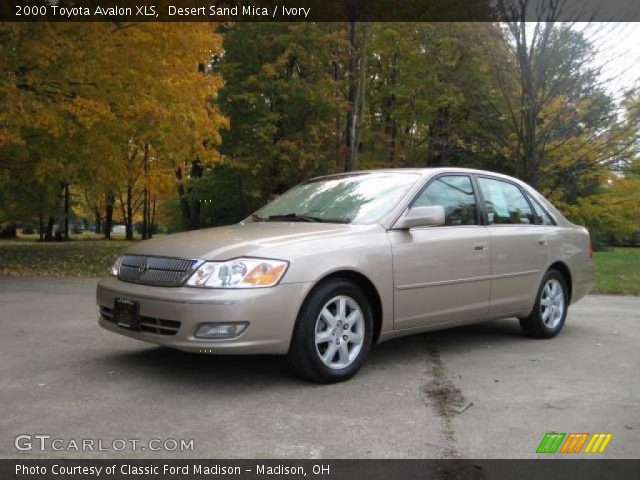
x=442 y=274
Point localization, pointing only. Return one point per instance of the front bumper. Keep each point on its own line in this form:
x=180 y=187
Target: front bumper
x=271 y=313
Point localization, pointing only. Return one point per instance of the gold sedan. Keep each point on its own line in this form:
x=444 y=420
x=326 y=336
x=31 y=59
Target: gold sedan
x=342 y=262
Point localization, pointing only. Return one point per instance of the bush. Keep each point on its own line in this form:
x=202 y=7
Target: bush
x=8 y=230
x=154 y=228
x=172 y=215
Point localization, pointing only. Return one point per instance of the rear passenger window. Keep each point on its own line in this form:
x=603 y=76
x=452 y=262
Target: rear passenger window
x=543 y=217
x=455 y=194
x=505 y=203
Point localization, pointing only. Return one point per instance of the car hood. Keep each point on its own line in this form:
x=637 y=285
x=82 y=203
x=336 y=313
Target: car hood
x=269 y=239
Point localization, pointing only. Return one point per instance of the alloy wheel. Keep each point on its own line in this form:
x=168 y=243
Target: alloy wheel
x=339 y=332
x=552 y=303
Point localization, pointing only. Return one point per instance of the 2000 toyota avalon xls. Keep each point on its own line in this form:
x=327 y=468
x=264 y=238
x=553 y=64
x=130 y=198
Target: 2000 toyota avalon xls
x=339 y=263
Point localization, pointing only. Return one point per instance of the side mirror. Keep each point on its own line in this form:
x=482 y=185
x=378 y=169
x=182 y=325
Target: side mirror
x=421 y=217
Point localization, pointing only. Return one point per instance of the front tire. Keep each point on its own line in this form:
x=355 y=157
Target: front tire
x=333 y=333
x=550 y=311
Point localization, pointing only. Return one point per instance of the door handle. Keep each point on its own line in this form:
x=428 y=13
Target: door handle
x=542 y=242
x=480 y=246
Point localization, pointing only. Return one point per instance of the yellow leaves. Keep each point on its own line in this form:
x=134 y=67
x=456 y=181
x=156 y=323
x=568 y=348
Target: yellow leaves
x=52 y=168
x=10 y=137
x=625 y=195
x=77 y=99
x=269 y=70
x=87 y=111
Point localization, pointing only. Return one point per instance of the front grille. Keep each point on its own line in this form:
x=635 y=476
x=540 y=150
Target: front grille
x=158 y=271
x=159 y=326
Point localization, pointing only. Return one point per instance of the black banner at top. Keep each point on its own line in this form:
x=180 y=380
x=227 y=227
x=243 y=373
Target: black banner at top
x=123 y=11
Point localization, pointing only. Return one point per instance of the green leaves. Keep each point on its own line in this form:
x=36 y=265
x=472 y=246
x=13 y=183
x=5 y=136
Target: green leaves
x=132 y=109
x=282 y=102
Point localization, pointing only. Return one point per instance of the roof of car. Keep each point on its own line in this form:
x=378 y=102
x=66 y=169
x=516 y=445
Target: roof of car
x=429 y=170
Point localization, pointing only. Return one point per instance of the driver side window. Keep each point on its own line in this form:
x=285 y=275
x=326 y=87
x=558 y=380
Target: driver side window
x=455 y=194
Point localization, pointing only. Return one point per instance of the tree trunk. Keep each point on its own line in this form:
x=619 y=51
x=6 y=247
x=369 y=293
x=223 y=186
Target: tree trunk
x=391 y=126
x=362 y=93
x=438 y=139
x=41 y=225
x=145 y=214
x=40 y=216
x=66 y=210
x=48 y=237
x=152 y=217
x=129 y=214
x=145 y=194
x=337 y=121
x=352 y=95
x=145 y=207
x=184 y=204
x=190 y=208
x=357 y=86
x=108 y=220
x=98 y=219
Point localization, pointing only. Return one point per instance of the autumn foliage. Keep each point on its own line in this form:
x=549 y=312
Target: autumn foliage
x=105 y=114
x=193 y=125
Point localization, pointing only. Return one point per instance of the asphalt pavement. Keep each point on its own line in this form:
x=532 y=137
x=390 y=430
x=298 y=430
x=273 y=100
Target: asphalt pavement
x=483 y=391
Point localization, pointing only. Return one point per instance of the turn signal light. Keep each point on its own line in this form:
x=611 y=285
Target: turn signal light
x=264 y=274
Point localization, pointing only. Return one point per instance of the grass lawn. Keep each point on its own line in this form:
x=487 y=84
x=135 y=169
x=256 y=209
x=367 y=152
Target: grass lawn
x=79 y=258
x=618 y=271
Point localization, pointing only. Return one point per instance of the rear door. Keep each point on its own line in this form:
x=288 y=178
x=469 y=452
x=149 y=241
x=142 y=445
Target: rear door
x=443 y=273
x=519 y=245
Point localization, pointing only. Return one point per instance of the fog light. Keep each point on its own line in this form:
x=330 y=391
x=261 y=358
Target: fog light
x=220 y=330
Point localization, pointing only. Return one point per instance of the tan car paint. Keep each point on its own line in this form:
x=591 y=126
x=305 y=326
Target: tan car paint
x=424 y=274
x=519 y=256
x=425 y=278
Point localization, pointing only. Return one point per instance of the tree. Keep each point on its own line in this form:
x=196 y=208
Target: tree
x=77 y=113
x=563 y=123
x=165 y=116
x=425 y=82
x=357 y=79
x=282 y=100
x=43 y=111
x=610 y=211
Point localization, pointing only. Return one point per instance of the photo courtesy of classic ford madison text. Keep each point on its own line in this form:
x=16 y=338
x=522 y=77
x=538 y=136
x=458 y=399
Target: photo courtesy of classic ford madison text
x=328 y=240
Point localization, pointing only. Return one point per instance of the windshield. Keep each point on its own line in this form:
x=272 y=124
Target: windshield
x=355 y=198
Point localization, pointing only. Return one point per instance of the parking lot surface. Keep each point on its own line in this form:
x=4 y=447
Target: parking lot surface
x=483 y=391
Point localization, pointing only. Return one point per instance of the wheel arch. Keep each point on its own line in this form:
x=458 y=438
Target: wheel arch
x=368 y=288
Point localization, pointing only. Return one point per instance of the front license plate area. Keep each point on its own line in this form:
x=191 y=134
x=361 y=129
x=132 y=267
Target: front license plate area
x=126 y=313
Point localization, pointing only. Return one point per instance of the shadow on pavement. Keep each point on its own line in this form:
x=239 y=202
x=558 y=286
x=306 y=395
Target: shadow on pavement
x=189 y=368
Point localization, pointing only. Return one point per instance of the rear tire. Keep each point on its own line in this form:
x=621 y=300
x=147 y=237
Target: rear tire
x=550 y=310
x=333 y=333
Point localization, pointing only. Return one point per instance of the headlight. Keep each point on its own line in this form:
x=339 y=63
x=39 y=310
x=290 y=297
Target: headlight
x=115 y=269
x=239 y=273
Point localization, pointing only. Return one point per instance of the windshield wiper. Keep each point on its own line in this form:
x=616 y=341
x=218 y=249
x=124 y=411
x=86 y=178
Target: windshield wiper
x=294 y=217
x=257 y=218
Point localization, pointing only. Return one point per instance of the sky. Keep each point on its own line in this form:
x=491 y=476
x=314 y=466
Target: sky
x=618 y=54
